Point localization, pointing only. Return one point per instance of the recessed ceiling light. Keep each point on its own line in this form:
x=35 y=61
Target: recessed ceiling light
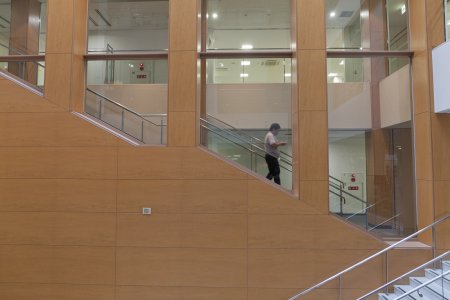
x=247 y=46
x=246 y=63
x=342 y=62
x=288 y=75
x=332 y=74
x=332 y=14
x=244 y=75
x=215 y=15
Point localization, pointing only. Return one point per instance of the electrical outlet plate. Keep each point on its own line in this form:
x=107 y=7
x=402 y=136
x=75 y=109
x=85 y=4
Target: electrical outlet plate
x=146 y=211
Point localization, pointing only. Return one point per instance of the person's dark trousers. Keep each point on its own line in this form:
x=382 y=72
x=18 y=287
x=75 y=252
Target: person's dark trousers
x=274 y=169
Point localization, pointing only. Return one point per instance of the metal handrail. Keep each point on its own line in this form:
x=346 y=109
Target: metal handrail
x=425 y=284
x=385 y=250
x=157 y=55
x=122 y=107
x=22 y=54
x=405 y=275
x=384 y=222
x=335 y=179
x=245 y=134
x=362 y=210
x=239 y=145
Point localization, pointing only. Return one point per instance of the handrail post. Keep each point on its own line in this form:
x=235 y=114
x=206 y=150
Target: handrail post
x=142 y=130
x=386 y=265
x=340 y=287
x=162 y=131
x=433 y=237
x=100 y=109
x=122 y=125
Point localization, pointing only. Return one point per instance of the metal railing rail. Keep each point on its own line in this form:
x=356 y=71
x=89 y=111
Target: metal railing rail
x=423 y=285
x=405 y=275
x=123 y=108
x=384 y=222
x=252 y=146
x=246 y=134
x=237 y=144
x=384 y=251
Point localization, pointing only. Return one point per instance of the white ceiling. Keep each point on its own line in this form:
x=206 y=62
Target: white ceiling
x=123 y=15
x=249 y=14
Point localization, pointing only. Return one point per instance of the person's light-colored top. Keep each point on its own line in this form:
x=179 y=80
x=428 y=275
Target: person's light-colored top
x=270 y=140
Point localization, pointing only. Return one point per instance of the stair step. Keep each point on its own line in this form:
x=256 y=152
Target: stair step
x=432 y=273
x=403 y=289
x=446 y=266
x=433 y=290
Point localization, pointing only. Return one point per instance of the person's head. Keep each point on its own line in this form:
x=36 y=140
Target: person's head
x=275 y=128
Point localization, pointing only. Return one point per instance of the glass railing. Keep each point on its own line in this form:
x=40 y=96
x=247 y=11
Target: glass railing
x=433 y=277
x=148 y=129
x=248 y=151
x=382 y=271
x=30 y=69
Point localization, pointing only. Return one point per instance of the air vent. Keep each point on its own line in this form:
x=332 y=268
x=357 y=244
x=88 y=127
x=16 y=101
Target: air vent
x=270 y=62
x=346 y=14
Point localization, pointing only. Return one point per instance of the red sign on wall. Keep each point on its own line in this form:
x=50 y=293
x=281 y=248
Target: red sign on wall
x=353 y=188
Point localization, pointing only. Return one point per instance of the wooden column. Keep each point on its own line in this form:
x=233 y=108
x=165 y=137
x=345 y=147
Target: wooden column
x=431 y=130
x=312 y=116
x=66 y=44
x=182 y=73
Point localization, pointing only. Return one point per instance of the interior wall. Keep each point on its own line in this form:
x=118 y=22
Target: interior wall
x=216 y=232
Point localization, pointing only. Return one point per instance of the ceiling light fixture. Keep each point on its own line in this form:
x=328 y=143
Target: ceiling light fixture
x=403 y=9
x=247 y=47
x=244 y=75
x=342 y=62
x=246 y=63
x=332 y=14
x=288 y=75
x=333 y=74
x=215 y=15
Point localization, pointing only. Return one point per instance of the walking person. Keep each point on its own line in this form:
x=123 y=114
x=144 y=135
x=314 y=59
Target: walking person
x=271 y=145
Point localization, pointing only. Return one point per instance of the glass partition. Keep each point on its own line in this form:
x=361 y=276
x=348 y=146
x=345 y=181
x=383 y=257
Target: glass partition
x=247 y=25
x=126 y=26
x=243 y=98
x=131 y=96
x=129 y=92
x=371 y=143
x=23 y=32
x=367 y=24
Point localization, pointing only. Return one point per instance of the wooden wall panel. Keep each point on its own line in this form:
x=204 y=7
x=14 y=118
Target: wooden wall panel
x=47 y=228
x=182 y=267
x=175 y=293
x=57 y=195
x=216 y=232
x=183 y=81
x=50 y=130
x=57 y=264
x=25 y=291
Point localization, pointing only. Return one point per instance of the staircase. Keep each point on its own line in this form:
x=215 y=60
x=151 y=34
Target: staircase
x=434 y=285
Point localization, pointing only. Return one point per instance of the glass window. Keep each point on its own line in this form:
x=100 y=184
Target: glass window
x=375 y=25
x=370 y=144
x=235 y=24
x=116 y=26
x=23 y=32
x=129 y=95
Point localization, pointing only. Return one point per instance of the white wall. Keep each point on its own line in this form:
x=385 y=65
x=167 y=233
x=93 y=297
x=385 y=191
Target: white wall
x=349 y=106
x=141 y=98
x=395 y=98
x=441 y=78
x=250 y=106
